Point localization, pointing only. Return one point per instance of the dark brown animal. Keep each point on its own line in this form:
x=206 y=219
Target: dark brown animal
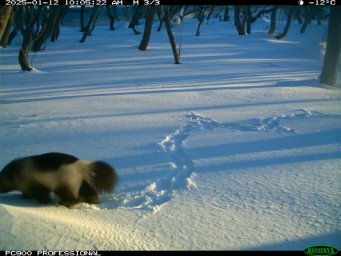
x=71 y=179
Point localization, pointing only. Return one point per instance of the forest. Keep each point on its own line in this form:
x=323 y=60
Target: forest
x=35 y=25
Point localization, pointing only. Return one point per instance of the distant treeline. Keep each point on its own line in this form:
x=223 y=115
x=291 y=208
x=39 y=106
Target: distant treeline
x=38 y=24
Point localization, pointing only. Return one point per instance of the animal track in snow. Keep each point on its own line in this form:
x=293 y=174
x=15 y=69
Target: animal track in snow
x=271 y=123
x=181 y=171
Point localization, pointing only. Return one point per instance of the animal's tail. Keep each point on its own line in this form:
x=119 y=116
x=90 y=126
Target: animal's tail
x=104 y=176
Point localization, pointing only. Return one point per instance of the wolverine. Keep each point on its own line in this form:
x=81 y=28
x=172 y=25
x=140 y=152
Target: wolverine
x=70 y=179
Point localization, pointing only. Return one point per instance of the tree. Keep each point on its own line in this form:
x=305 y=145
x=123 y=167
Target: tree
x=96 y=11
x=111 y=13
x=47 y=32
x=248 y=19
x=273 y=21
x=81 y=18
x=259 y=14
x=331 y=59
x=56 y=27
x=6 y=34
x=201 y=18
x=308 y=14
x=226 y=14
x=16 y=23
x=237 y=21
x=160 y=16
x=28 y=21
x=243 y=15
x=171 y=36
x=26 y=31
x=5 y=13
x=137 y=12
x=147 y=28
x=210 y=13
x=287 y=25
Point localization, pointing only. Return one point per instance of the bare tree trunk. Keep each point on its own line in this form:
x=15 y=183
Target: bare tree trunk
x=273 y=21
x=27 y=40
x=92 y=20
x=135 y=19
x=5 y=13
x=56 y=28
x=171 y=36
x=259 y=14
x=319 y=15
x=46 y=33
x=210 y=14
x=6 y=34
x=159 y=14
x=16 y=24
x=23 y=53
x=287 y=26
x=226 y=13
x=111 y=16
x=297 y=15
x=248 y=19
x=147 y=28
x=237 y=21
x=40 y=20
x=93 y=25
x=82 y=18
x=200 y=19
x=332 y=57
x=308 y=12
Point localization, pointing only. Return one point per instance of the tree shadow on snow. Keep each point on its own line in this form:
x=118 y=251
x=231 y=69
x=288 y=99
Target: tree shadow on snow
x=291 y=142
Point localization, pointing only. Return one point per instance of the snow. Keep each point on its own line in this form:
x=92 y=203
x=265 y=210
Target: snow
x=236 y=148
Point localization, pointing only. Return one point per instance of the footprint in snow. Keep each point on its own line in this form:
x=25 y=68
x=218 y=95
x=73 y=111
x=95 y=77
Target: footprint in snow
x=181 y=172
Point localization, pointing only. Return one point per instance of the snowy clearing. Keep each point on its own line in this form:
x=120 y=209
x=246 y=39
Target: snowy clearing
x=239 y=147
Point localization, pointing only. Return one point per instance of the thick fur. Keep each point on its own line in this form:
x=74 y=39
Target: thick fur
x=71 y=179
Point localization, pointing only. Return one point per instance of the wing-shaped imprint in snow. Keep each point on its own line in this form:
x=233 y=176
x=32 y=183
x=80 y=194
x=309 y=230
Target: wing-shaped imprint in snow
x=271 y=123
x=181 y=173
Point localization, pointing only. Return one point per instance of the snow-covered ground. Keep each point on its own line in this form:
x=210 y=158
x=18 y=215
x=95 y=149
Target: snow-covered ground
x=236 y=148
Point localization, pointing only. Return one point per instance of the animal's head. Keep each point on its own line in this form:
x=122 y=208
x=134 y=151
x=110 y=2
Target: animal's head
x=6 y=184
x=7 y=175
